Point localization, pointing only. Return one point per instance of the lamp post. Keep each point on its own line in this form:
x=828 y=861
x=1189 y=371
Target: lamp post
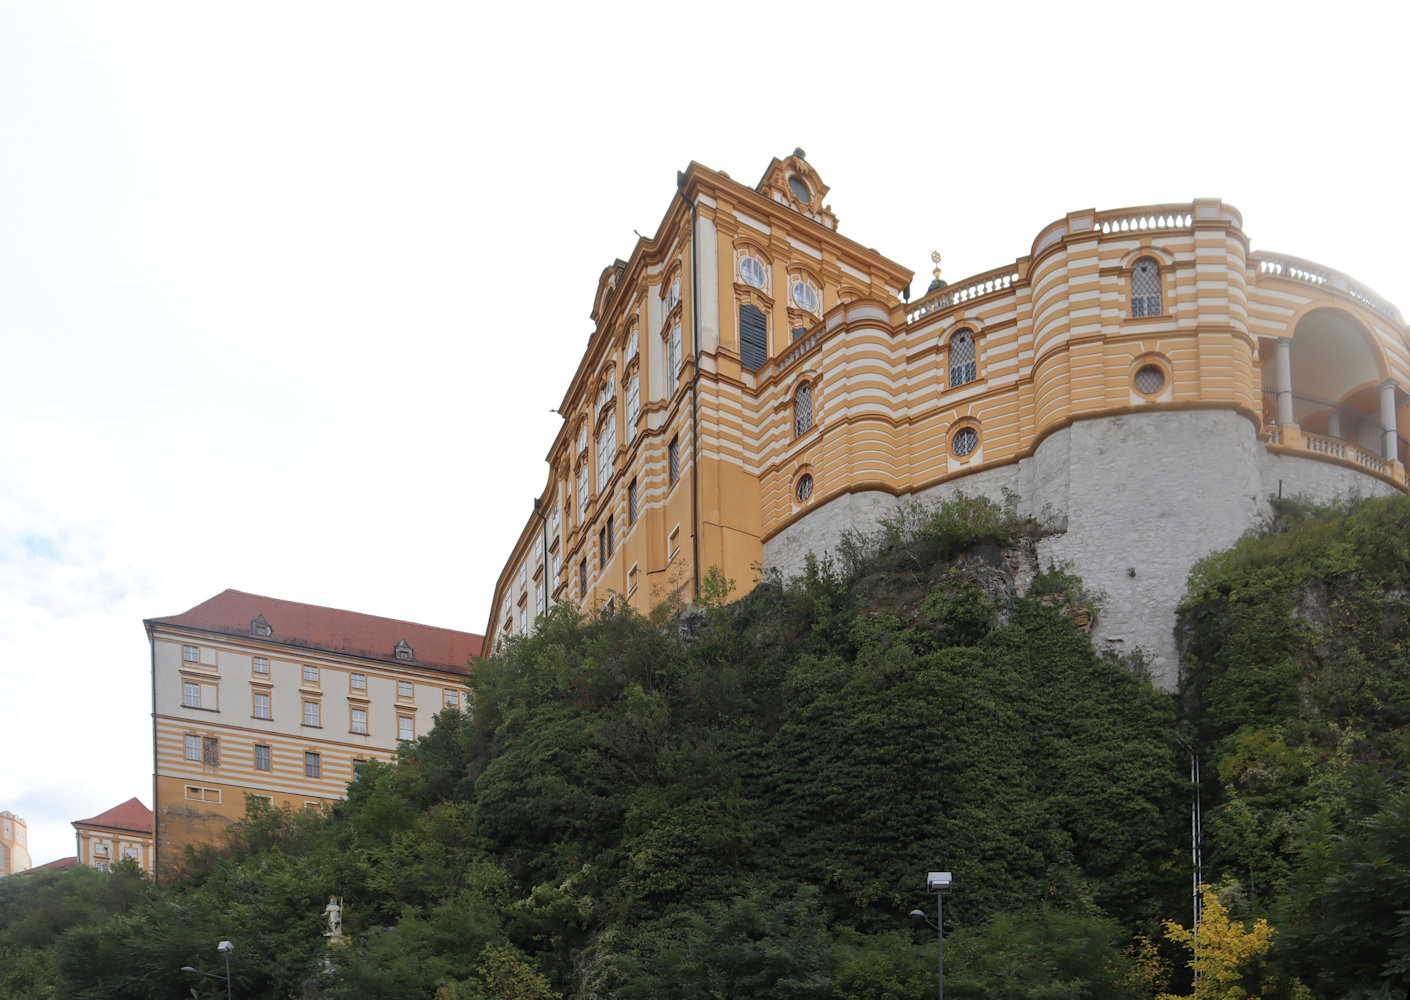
x=225 y=948
x=937 y=882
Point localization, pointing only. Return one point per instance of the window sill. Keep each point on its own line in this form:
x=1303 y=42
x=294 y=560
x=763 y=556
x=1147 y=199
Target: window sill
x=262 y=718
x=198 y=708
x=310 y=725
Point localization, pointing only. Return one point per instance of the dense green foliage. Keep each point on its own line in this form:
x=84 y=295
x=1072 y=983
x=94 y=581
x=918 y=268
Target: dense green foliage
x=742 y=802
x=1297 y=647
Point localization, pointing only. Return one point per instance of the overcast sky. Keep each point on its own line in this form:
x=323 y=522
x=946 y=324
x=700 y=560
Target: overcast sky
x=287 y=290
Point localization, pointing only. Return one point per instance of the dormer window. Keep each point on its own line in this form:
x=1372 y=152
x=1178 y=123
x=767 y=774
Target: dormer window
x=403 y=650
x=752 y=272
x=260 y=627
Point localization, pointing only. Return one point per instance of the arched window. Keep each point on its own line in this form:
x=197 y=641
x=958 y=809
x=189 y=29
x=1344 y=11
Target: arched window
x=803 y=409
x=962 y=359
x=1145 y=288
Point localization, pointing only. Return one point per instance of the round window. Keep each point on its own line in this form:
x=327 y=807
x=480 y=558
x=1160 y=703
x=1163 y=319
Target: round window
x=751 y=269
x=805 y=487
x=805 y=296
x=966 y=439
x=799 y=189
x=1150 y=379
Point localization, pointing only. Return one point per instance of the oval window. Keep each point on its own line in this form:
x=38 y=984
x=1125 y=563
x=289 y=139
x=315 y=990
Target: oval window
x=805 y=296
x=965 y=441
x=751 y=269
x=805 y=487
x=799 y=189
x=1150 y=379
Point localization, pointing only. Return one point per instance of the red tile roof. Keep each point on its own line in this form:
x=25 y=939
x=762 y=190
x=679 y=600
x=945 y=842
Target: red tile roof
x=132 y=815
x=311 y=627
x=61 y=865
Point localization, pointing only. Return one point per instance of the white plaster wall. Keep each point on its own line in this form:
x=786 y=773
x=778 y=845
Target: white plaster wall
x=1324 y=482
x=1148 y=495
x=1137 y=500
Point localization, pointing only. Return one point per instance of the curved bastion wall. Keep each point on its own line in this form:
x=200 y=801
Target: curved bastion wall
x=1132 y=502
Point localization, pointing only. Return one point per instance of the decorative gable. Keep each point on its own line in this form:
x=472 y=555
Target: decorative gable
x=792 y=181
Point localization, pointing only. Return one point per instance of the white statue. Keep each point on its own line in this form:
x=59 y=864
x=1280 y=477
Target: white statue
x=334 y=912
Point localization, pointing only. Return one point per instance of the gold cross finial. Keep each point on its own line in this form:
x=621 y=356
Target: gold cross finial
x=935 y=256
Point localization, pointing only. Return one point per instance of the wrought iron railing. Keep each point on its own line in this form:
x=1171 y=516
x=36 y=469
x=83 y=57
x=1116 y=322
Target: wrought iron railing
x=1358 y=437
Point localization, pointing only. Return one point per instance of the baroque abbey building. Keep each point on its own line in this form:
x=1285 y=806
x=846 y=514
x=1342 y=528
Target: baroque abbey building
x=756 y=383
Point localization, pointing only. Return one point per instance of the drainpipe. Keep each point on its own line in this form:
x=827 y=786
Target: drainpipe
x=694 y=389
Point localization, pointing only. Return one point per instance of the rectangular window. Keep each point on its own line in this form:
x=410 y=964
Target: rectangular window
x=210 y=751
x=190 y=695
x=261 y=705
x=451 y=698
x=313 y=765
x=602 y=546
x=191 y=654
x=753 y=337
x=193 y=747
x=358 y=682
x=538 y=598
x=523 y=620
x=359 y=721
x=611 y=541
x=631 y=580
x=633 y=403
x=631 y=502
x=129 y=854
x=673 y=543
x=582 y=580
x=404 y=689
x=310 y=713
x=582 y=439
x=632 y=344
x=358 y=764
x=674 y=459
x=406 y=727
x=261 y=664
x=310 y=674
x=262 y=757
x=195 y=792
x=673 y=362
x=582 y=491
x=606 y=451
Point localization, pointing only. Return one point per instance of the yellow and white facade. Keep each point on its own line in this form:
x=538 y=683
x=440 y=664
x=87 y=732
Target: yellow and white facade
x=14 y=844
x=122 y=833
x=255 y=696
x=1140 y=380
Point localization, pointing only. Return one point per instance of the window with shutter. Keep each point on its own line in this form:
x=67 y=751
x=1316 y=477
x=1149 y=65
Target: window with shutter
x=753 y=338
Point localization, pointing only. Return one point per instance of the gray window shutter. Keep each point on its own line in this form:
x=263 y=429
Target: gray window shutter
x=753 y=338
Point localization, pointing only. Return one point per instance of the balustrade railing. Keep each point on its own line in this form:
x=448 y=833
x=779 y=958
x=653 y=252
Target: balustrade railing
x=1155 y=217
x=1283 y=266
x=998 y=280
x=1357 y=436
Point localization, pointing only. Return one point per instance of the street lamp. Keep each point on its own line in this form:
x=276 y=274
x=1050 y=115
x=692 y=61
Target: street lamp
x=937 y=882
x=225 y=948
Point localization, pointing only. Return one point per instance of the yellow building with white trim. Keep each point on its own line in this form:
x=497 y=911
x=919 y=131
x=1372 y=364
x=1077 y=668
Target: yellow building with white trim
x=256 y=696
x=757 y=383
x=14 y=844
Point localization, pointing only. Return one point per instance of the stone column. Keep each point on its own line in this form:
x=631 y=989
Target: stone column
x=1282 y=371
x=1388 y=419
